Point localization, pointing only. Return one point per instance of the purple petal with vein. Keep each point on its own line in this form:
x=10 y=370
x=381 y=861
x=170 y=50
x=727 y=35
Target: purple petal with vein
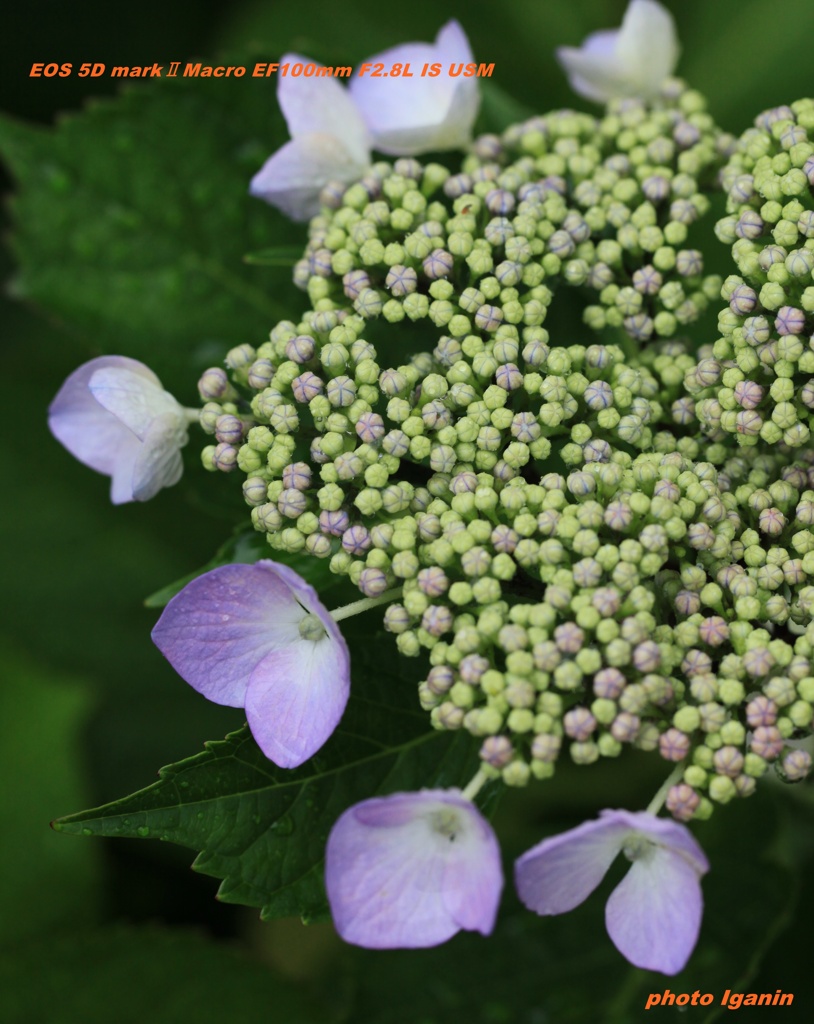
x=296 y=697
x=220 y=626
x=654 y=915
x=234 y=635
x=561 y=872
x=412 y=869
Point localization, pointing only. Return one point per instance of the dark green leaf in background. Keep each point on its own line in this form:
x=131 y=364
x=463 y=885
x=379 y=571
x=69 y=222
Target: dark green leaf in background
x=134 y=219
x=43 y=883
x=125 y=975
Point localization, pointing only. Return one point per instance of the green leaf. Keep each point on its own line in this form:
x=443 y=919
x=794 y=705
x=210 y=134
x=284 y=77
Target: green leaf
x=262 y=829
x=129 y=976
x=43 y=883
x=133 y=218
x=278 y=256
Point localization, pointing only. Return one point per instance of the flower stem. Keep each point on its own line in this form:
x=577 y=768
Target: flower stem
x=192 y=415
x=355 y=607
x=475 y=785
x=656 y=803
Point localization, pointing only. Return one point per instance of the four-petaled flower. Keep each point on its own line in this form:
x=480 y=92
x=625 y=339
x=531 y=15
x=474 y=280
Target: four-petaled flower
x=412 y=869
x=333 y=129
x=420 y=114
x=114 y=416
x=632 y=60
x=258 y=637
x=654 y=914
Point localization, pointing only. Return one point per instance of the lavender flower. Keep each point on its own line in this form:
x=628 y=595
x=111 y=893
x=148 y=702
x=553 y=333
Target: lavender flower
x=632 y=60
x=114 y=416
x=420 y=114
x=258 y=637
x=412 y=869
x=654 y=914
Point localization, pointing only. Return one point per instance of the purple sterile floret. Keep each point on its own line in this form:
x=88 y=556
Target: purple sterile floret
x=258 y=637
x=653 y=916
x=113 y=415
x=412 y=869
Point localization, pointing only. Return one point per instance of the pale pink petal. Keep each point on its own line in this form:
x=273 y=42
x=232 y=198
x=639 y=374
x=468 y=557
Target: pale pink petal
x=318 y=105
x=561 y=872
x=292 y=178
x=654 y=915
x=220 y=626
x=91 y=434
x=296 y=697
x=412 y=869
x=409 y=116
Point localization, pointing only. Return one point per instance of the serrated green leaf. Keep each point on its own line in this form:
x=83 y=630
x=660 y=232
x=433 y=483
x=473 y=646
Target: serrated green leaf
x=129 y=976
x=133 y=217
x=262 y=829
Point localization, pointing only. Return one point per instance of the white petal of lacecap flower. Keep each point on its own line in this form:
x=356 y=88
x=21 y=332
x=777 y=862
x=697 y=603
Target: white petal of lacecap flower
x=329 y=142
x=653 y=916
x=632 y=60
x=412 y=869
x=408 y=116
x=114 y=416
x=258 y=637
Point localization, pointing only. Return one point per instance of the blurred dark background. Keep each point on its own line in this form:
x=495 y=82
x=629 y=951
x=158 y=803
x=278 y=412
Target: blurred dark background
x=89 y=710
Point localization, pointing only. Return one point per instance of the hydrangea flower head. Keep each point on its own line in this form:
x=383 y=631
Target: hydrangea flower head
x=411 y=870
x=329 y=142
x=114 y=416
x=408 y=116
x=258 y=637
x=632 y=60
x=653 y=916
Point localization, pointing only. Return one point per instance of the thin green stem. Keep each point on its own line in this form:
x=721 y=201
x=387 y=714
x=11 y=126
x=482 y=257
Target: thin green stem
x=192 y=415
x=656 y=803
x=356 y=607
x=475 y=786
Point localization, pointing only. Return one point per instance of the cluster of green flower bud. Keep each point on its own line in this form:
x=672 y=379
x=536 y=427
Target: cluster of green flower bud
x=632 y=189
x=766 y=574
x=749 y=696
x=471 y=444
x=577 y=577
x=566 y=198
x=757 y=382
